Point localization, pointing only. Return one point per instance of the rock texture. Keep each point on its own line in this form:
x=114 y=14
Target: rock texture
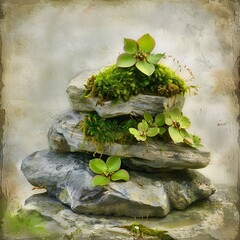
x=68 y=178
x=153 y=157
x=214 y=219
x=136 y=105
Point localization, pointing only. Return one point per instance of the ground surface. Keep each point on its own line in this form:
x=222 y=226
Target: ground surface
x=216 y=218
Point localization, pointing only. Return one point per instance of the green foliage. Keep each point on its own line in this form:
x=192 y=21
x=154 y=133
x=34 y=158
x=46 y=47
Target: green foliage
x=139 y=53
x=177 y=125
x=142 y=230
x=171 y=123
x=149 y=127
x=107 y=171
x=100 y=130
x=26 y=224
x=115 y=83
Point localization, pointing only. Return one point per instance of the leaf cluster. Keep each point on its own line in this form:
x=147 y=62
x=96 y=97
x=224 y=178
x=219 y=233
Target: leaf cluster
x=177 y=125
x=107 y=171
x=171 y=123
x=147 y=128
x=114 y=83
x=138 y=53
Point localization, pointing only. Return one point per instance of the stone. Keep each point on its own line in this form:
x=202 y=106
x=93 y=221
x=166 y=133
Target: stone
x=67 y=177
x=153 y=157
x=216 y=218
x=136 y=105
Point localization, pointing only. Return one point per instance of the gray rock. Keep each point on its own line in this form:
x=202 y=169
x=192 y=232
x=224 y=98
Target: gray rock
x=136 y=105
x=153 y=157
x=69 y=179
x=214 y=219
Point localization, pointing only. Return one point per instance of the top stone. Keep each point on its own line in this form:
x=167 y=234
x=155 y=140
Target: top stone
x=136 y=105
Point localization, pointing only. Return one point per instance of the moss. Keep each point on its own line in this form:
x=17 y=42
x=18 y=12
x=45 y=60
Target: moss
x=114 y=83
x=143 y=230
x=25 y=224
x=100 y=130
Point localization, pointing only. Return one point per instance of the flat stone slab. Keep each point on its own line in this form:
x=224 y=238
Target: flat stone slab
x=153 y=157
x=69 y=179
x=136 y=105
x=216 y=218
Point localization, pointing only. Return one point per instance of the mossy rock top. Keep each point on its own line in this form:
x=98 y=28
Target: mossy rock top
x=119 y=84
x=104 y=92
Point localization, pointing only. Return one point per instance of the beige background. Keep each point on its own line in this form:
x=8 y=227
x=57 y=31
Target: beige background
x=47 y=43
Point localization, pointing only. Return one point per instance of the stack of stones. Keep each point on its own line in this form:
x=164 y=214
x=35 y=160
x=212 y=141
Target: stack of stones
x=160 y=179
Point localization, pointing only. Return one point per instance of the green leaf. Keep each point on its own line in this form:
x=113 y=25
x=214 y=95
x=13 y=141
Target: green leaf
x=184 y=122
x=160 y=119
x=130 y=46
x=145 y=67
x=141 y=138
x=113 y=163
x=184 y=133
x=125 y=60
x=155 y=58
x=134 y=131
x=192 y=140
x=196 y=141
x=162 y=130
x=120 y=175
x=100 y=180
x=148 y=117
x=143 y=126
x=175 y=135
x=175 y=113
x=146 y=43
x=152 y=132
x=137 y=135
x=98 y=166
x=168 y=121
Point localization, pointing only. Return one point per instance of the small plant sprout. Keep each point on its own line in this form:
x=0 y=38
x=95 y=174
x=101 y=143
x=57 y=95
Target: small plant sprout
x=107 y=171
x=159 y=121
x=177 y=125
x=149 y=127
x=139 y=53
x=144 y=131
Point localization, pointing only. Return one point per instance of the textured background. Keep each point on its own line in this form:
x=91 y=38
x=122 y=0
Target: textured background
x=47 y=43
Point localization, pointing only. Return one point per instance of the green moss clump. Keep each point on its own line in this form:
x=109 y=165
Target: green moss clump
x=114 y=130
x=142 y=230
x=24 y=224
x=114 y=83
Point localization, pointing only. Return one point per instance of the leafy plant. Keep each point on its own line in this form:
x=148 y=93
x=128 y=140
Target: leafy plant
x=171 y=120
x=107 y=171
x=139 y=53
x=148 y=127
x=177 y=124
x=158 y=121
x=143 y=131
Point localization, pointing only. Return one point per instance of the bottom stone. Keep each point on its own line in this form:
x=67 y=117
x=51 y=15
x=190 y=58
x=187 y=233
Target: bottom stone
x=214 y=219
x=69 y=179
